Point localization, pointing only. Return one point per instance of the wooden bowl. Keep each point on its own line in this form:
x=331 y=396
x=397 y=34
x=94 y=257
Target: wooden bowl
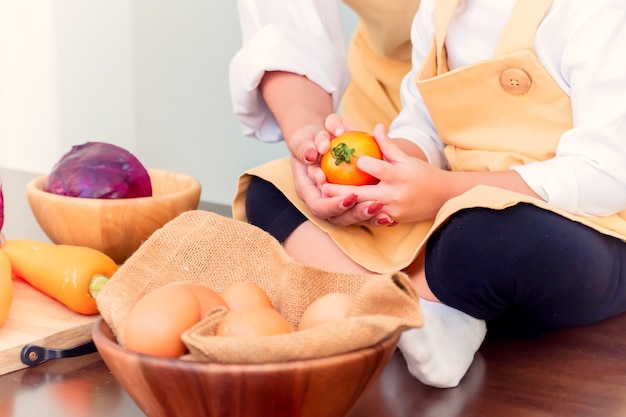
x=114 y=226
x=325 y=387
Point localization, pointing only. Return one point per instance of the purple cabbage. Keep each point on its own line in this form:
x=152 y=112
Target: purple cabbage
x=99 y=170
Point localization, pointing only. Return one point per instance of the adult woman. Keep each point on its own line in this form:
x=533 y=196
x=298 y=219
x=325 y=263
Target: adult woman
x=512 y=203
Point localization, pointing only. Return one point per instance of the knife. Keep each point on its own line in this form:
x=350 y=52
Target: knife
x=33 y=355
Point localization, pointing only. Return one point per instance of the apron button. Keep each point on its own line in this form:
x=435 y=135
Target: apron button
x=515 y=81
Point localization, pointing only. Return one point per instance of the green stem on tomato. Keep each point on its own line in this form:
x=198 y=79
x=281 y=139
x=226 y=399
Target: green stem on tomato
x=342 y=153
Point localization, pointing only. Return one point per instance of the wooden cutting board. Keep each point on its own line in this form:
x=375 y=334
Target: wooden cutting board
x=37 y=319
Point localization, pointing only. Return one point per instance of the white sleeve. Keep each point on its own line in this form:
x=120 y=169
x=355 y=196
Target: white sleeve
x=414 y=122
x=299 y=36
x=588 y=174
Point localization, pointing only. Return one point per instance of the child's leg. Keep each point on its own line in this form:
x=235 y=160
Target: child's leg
x=524 y=262
x=440 y=353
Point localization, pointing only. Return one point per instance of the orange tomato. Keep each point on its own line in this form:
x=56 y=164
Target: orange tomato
x=339 y=163
x=253 y=322
x=156 y=322
x=325 y=309
x=245 y=294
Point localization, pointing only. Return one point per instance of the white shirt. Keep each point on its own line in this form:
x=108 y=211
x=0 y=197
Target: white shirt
x=299 y=36
x=579 y=42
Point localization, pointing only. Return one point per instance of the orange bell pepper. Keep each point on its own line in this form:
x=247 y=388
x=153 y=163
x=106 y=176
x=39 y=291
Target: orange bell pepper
x=6 y=287
x=70 y=274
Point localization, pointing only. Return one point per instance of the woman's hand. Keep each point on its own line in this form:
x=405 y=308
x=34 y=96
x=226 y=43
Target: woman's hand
x=340 y=209
x=307 y=145
x=410 y=189
x=302 y=109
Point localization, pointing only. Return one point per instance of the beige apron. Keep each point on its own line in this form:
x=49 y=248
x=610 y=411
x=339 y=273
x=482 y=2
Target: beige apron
x=493 y=114
x=379 y=56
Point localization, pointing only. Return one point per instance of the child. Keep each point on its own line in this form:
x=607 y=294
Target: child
x=504 y=180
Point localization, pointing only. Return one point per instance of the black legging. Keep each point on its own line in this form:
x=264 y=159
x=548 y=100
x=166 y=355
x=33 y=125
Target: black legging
x=529 y=265
x=519 y=268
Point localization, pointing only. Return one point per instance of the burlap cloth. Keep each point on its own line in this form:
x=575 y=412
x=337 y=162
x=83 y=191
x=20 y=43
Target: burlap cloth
x=214 y=250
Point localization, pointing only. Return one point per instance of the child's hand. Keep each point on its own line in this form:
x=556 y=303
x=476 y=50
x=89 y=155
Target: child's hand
x=409 y=188
x=309 y=178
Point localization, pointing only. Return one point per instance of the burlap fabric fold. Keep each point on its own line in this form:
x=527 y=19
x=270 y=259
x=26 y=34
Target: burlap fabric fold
x=216 y=251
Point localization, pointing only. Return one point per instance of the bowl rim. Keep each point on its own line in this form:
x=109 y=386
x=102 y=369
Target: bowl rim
x=35 y=187
x=100 y=329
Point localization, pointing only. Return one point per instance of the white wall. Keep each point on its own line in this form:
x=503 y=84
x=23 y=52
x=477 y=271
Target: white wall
x=184 y=117
x=148 y=75
x=28 y=88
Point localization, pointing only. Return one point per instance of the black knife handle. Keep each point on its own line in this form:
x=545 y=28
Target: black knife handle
x=33 y=355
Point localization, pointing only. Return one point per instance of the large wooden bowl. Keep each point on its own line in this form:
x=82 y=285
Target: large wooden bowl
x=325 y=387
x=114 y=226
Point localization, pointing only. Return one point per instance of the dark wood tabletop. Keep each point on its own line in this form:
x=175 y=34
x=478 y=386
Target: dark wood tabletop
x=572 y=373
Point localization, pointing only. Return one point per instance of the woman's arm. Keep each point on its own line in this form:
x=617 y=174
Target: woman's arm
x=299 y=37
x=299 y=107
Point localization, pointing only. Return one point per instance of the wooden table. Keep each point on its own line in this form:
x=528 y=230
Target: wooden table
x=573 y=373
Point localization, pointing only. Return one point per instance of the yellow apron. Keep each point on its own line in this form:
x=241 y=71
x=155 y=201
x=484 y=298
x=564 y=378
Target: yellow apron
x=379 y=56
x=493 y=114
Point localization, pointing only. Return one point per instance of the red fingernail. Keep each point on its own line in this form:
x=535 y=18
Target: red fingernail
x=385 y=221
x=375 y=207
x=350 y=200
x=310 y=155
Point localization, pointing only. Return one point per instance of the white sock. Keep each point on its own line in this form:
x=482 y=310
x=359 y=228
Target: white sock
x=440 y=353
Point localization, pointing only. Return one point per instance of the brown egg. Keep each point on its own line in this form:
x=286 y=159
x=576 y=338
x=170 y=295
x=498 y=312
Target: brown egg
x=327 y=308
x=156 y=322
x=209 y=299
x=253 y=322
x=245 y=294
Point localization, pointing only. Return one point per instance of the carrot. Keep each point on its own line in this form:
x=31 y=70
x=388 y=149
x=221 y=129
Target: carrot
x=6 y=287
x=72 y=275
